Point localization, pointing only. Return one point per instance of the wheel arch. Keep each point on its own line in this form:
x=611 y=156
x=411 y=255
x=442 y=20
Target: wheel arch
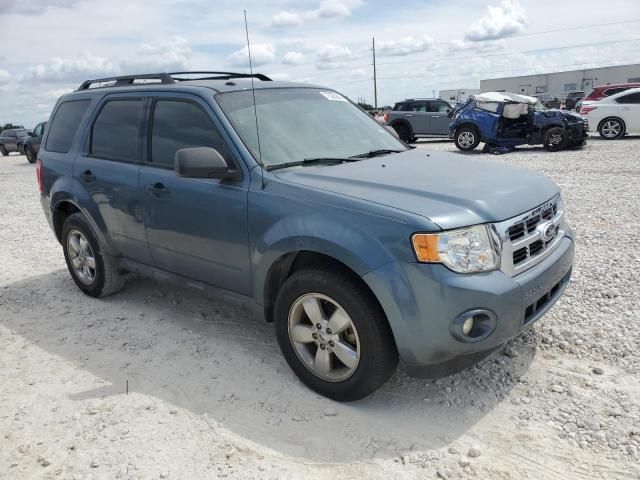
x=404 y=123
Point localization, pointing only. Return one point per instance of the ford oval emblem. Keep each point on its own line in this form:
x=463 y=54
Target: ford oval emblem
x=547 y=231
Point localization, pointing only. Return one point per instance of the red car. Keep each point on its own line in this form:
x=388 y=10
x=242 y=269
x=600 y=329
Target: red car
x=606 y=90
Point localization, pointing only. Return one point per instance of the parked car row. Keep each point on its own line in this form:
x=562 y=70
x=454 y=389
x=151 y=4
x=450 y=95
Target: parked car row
x=22 y=141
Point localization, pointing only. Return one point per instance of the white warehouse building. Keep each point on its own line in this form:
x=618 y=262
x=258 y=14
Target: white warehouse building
x=560 y=83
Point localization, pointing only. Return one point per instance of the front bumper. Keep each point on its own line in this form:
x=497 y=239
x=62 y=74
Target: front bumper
x=421 y=301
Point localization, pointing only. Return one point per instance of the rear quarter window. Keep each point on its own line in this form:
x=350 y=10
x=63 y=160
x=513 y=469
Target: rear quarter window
x=64 y=125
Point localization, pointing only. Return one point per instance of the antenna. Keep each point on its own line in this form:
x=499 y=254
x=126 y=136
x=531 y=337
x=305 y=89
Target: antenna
x=253 y=93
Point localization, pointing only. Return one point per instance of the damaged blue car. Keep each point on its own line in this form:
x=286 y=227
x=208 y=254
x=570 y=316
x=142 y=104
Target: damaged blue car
x=508 y=120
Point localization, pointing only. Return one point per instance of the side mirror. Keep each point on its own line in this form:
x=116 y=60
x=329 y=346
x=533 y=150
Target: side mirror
x=448 y=110
x=202 y=162
x=392 y=131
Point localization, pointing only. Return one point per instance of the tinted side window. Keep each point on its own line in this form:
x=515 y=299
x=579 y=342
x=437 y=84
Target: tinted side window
x=178 y=124
x=116 y=131
x=64 y=125
x=613 y=91
x=438 y=106
x=419 y=107
x=631 y=98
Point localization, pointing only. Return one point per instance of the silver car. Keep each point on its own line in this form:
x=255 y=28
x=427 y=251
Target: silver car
x=420 y=117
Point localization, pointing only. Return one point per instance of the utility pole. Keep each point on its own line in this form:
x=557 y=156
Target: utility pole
x=375 y=84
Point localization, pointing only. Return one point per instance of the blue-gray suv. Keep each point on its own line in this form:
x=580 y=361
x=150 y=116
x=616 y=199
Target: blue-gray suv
x=291 y=200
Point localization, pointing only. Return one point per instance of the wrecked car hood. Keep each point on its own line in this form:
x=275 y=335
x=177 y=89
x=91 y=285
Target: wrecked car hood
x=450 y=190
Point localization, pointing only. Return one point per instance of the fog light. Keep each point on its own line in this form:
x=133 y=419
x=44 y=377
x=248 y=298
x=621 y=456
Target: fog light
x=467 y=326
x=474 y=325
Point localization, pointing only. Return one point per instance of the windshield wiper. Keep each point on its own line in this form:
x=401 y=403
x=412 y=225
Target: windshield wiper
x=312 y=161
x=376 y=153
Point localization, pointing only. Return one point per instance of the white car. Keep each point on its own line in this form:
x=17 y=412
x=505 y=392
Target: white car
x=614 y=116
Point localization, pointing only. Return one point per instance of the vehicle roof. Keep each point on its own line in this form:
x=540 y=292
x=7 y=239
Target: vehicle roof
x=614 y=85
x=504 y=97
x=236 y=84
x=623 y=93
x=13 y=129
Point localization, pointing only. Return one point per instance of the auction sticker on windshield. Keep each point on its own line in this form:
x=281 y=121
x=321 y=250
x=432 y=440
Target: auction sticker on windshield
x=333 y=96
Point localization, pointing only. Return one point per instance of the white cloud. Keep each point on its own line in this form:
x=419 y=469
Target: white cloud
x=282 y=77
x=57 y=93
x=287 y=19
x=170 y=55
x=293 y=58
x=490 y=46
x=33 y=7
x=500 y=21
x=332 y=56
x=327 y=9
x=66 y=69
x=404 y=46
x=5 y=77
x=261 y=54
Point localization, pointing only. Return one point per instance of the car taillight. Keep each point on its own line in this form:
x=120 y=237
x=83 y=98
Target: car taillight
x=386 y=117
x=39 y=175
x=586 y=109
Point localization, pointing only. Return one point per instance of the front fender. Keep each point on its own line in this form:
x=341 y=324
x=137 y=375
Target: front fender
x=319 y=233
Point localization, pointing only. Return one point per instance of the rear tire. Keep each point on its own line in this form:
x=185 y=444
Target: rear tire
x=403 y=132
x=555 y=139
x=372 y=352
x=3 y=151
x=93 y=272
x=31 y=155
x=467 y=138
x=611 y=128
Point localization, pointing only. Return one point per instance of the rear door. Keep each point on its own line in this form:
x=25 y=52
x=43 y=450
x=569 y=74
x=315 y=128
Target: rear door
x=10 y=141
x=108 y=171
x=630 y=111
x=37 y=136
x=196 y=227
x=439 y=113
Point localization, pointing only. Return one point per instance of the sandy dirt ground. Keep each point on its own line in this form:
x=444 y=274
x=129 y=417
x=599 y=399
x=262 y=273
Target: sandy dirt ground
x=159 y=382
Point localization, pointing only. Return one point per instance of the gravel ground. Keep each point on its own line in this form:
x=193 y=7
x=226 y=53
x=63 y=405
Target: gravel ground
x=157 y=382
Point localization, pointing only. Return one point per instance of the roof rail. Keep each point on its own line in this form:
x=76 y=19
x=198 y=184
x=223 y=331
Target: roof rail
x=220 y=76
x=168 y=78
x=127 y=80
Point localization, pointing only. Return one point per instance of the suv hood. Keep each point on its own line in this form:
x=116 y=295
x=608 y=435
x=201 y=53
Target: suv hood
x=450 y=190
x=565 y=114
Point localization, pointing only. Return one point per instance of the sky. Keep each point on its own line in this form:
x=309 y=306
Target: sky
x=50 y=46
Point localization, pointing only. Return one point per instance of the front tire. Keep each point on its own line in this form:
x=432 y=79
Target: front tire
x=555 y=139
x=611 y=128
x=333 y=334
x=467 y=138
x=93 y=272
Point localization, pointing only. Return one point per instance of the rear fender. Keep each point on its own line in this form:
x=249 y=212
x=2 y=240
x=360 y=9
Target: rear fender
x=68 y=189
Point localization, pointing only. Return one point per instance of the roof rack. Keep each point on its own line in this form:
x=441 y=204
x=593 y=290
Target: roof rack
x=167 y=78
x=220 y=76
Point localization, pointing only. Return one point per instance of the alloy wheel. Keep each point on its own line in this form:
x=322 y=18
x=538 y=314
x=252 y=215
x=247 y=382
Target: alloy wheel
x=466 y=139
x=324 y=337
x=81 y=257
x=611 y=128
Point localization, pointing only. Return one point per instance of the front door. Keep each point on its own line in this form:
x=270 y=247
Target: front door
x=630 y=111
x=587 y=85
x=195 y=227
x=108 y=172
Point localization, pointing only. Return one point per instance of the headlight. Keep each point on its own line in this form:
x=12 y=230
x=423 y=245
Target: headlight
x=466 y=250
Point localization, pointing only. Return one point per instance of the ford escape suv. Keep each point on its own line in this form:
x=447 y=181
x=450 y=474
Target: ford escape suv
x=290 y=199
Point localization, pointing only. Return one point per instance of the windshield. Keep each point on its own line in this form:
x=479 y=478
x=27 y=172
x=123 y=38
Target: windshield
x=301 y=123
x=539 y=107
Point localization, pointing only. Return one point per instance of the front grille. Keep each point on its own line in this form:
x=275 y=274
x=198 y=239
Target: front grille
x=529 y=238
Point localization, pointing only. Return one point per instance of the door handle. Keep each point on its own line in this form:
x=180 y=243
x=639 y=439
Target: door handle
x=157 y=189
x=87 y=176
x=408 y=115
x=435 y=116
